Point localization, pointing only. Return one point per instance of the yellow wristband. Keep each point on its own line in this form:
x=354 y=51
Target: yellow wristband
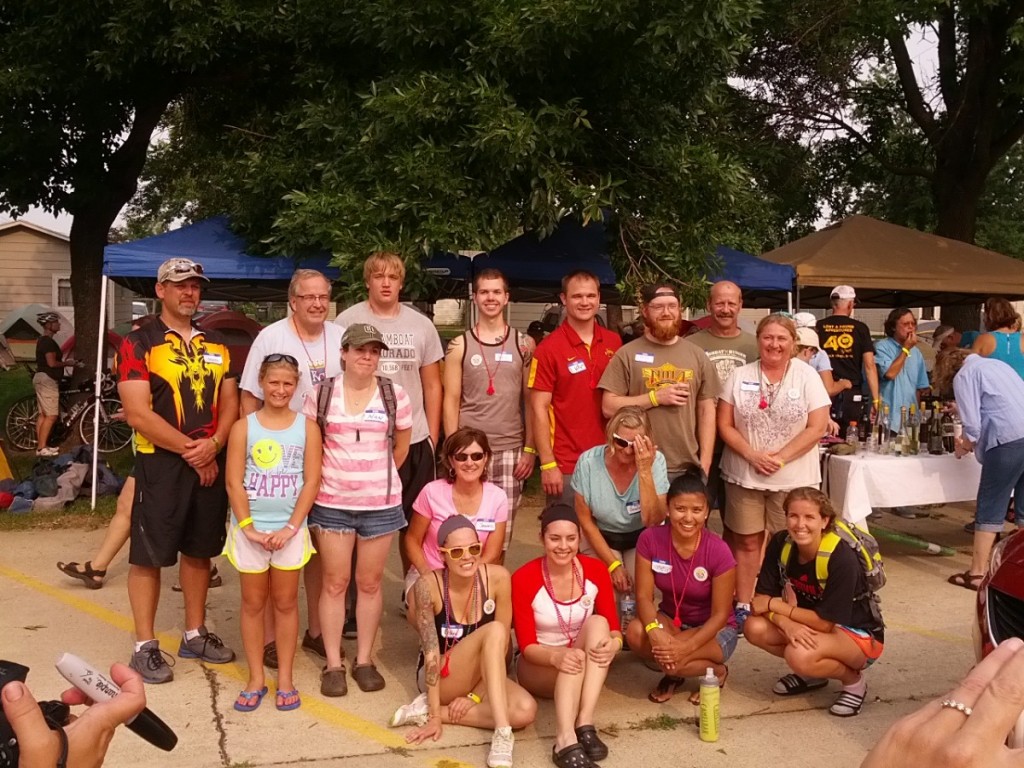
x=246 y=522
x=549 y=465
x=654 y=398
x=615 y=564
x=530 y=450
x=653 y=625
x=905 y=351
x=781 y=463
x=622 y=643
x=473 y=697
x=771 y=616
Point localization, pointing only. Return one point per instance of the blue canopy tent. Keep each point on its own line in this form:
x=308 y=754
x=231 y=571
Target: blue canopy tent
x=235 y=275
x=534 y=267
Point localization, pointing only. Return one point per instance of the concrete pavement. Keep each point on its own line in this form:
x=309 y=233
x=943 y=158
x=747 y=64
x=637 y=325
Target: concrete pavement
x=43 y=613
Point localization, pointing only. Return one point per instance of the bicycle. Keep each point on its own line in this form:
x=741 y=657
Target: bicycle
x=114 y=431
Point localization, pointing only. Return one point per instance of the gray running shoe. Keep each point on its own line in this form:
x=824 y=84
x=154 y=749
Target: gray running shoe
x=150 y=662
x=205 y=646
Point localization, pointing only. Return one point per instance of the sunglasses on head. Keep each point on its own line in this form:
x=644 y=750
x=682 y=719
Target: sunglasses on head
x=623 y=442
x=457 y=553
x=474 y=456
x=277 y=357
x=184 y=269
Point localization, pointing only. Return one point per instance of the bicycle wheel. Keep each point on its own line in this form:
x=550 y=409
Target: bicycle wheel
x=114 y=432
x=21 y=423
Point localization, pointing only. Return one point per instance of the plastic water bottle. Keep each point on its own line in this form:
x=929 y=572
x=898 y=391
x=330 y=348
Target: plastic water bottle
x=710 y=694
x=627 y=609
x=853 y=436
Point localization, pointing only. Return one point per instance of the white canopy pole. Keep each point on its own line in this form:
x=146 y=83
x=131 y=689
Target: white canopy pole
x=98 y=387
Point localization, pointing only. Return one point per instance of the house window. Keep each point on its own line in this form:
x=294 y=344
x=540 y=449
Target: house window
x=62 y=292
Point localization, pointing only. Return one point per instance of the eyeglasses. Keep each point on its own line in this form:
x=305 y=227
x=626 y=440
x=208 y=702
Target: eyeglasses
x=623 y=442
x=474 y=456
x=313 y=298
x=277 y=357
x=458 y=553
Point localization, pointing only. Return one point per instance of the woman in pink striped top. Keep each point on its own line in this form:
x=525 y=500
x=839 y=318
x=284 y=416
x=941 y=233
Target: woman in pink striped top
x=359 y=504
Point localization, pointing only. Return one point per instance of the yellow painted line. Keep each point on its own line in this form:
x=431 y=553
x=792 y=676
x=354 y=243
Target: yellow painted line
x=934 y=634
x=317 y=708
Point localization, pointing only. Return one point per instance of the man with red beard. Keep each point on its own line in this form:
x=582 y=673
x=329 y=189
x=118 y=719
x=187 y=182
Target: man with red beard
x=670 y=377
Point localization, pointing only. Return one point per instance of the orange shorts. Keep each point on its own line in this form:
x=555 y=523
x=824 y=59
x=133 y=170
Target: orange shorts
x=867 y=643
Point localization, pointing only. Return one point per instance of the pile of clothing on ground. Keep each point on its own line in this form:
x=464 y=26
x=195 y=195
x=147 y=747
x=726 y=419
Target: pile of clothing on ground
x=55 y=483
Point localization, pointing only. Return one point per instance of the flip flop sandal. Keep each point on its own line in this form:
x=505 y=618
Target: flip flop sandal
x=666 y=689
x=967 y=580
x=591 y=742
x=283 y=695
x=87 y=574
x=847 y=704
x=252 y=700
x=794 y=685
x=573 y=756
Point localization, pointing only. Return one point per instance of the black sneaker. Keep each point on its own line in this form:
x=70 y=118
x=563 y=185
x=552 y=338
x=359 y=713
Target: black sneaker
x=205 y=646
x=316 y=645
x=349 y=631
x=150 y=662
x=270 y=654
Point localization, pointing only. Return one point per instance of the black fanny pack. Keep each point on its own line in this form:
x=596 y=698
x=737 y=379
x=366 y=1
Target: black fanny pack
x=622 y=541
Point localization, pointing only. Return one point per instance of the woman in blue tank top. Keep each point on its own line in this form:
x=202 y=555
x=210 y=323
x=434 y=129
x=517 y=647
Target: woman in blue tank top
x=272 y=476
x=1003 y=340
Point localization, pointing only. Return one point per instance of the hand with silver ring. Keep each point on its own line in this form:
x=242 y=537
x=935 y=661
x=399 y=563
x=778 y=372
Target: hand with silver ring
x=969 y=727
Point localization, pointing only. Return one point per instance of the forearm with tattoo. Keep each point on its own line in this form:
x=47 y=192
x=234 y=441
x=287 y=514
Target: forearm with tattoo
x=428 y=635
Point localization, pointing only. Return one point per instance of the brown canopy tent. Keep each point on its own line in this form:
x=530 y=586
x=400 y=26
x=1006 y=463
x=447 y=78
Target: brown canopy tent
x=892 y=266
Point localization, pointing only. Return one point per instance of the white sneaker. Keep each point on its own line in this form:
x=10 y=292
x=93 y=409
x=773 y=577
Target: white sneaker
x=417 y=712
x=47 y=452
x=500 y=755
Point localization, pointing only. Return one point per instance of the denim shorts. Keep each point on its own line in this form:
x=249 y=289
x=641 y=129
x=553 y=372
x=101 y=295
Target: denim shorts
x=366 y=524
x=1002 y=474
x=727 y=638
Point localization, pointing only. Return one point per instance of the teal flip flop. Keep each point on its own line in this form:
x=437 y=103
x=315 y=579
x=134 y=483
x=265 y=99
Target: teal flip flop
x=252 y=700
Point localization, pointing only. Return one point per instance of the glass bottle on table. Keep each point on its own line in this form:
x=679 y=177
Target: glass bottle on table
x=948 y=432
x=900 y=440
x=925 y=430
x=915 y=432
x=935 y=435
x=884 y=437
x=853 y=436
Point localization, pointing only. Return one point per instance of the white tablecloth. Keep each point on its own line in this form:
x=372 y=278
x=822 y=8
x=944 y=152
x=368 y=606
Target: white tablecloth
x=865 y=480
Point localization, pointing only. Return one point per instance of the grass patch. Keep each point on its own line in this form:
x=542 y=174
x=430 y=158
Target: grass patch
x=14 y=385
x=658 y=723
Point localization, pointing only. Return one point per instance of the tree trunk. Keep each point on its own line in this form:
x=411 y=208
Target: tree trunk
x=614 y=312
x=956 y=194
x=94 y=208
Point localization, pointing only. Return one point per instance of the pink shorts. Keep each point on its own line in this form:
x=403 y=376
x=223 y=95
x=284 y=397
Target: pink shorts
x=251 y=558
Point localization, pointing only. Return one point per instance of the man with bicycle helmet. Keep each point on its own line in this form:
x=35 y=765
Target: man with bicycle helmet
x=49 y=369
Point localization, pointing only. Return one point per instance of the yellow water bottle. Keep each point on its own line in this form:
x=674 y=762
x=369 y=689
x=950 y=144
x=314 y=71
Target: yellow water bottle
x=710 y=692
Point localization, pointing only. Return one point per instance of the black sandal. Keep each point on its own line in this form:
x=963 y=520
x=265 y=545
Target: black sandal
x=592 y=744
x=666 y=688
x=573 y=756
x=967 y=580
x=87 y=575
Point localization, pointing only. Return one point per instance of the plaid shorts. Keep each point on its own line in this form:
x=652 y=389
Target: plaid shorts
x=499 y=472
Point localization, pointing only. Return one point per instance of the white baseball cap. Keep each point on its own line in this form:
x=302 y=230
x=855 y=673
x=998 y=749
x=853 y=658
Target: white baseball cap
x=844 y=292
x=806 y=337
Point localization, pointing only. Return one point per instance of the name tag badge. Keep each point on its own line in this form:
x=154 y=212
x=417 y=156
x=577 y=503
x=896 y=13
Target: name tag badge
x=749 y=386
x=661 y=566
x=793 y=394
x=700 y=574
x=577 y=366
x=644 y=357
x=213 y=358
x=485 y=525
x=503 y=357
x=632 y=507
x=376 y=417
x=452 y=631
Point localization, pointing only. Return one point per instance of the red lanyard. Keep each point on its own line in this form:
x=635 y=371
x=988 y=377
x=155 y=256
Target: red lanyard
x=678 y=601
x=483 y=354
x=565 y=626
